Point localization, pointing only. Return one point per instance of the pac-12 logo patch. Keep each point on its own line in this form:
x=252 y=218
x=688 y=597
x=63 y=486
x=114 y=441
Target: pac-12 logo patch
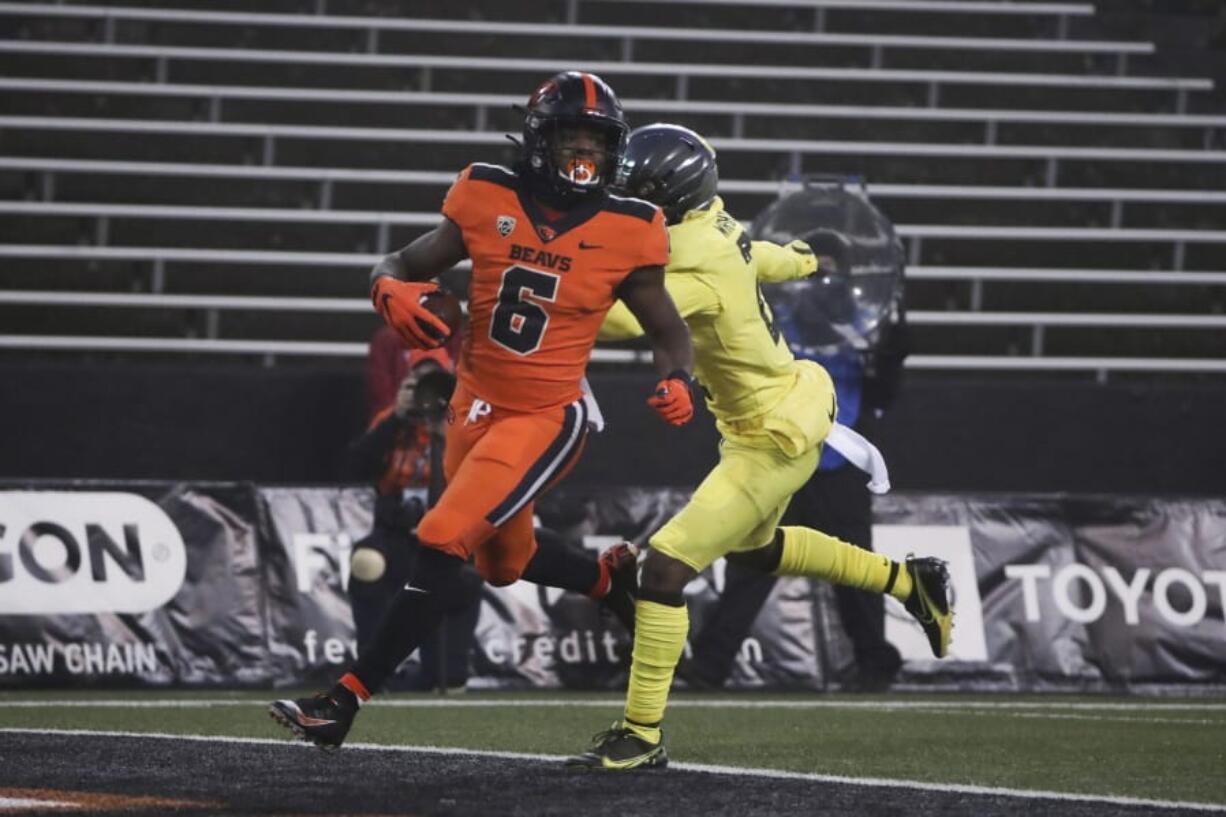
x=505 y=225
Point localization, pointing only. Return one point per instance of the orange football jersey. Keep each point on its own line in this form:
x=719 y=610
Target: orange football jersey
x=540 y=288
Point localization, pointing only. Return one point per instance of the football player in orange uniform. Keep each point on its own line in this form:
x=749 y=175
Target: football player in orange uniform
x=551 y=251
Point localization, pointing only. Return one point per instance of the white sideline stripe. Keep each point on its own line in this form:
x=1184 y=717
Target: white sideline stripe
x=775 y=774
x=13 y=803
x=1056 y=716
x=683 y=703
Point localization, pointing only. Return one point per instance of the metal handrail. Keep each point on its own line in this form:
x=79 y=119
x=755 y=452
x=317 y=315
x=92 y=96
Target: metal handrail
x=670 y=70
x=637 y=105
x=348 y=260
x=490 y=138
x=940 y=6
x=425 y=219
x=444 y=178
x=357 y=350
x=149 y=300
x=539 y=29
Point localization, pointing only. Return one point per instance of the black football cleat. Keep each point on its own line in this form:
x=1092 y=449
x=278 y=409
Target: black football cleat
x=620 y=748
x=621 y=560
x=323 y=720
x=929 y=601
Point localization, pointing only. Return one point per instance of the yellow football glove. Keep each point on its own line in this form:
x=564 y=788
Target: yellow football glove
x=808 y=261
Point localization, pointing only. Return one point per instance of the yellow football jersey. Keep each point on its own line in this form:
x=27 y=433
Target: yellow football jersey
x=741 y=360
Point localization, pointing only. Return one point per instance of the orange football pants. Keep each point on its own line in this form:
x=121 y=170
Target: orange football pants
x=496 y=463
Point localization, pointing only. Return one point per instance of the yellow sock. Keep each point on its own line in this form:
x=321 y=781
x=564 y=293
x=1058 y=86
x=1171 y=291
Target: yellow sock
x=808 y=552
x=659 y=639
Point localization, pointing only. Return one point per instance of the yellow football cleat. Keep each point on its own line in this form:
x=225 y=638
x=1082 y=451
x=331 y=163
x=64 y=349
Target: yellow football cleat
x=620 y=748
x=929 y=601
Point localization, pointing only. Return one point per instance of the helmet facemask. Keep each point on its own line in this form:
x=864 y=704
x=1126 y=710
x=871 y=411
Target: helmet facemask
x=576 y=156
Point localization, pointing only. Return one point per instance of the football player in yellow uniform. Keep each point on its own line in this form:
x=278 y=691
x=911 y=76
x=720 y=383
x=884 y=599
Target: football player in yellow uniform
x=773 y=412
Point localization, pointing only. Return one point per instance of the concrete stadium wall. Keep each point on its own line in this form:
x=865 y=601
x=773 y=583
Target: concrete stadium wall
x=290 y=424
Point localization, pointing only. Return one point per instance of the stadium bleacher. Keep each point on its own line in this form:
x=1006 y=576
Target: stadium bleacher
x=165 y=172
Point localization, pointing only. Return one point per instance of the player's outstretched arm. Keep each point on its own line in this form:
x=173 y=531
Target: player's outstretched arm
x=775 y=263
x=691 y=295
x=397 y=289
x=644 y=295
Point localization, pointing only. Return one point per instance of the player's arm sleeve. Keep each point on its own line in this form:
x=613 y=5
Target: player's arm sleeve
x=690 y=294
x=776 y=263
x=434 y=252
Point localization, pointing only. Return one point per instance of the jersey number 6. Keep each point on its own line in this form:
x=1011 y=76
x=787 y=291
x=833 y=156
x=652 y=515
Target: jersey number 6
x=519 y=324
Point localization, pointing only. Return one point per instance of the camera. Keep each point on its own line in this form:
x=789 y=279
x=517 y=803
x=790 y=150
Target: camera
x=433 y=393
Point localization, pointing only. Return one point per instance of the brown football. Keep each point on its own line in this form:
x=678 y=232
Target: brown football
x=446 y=307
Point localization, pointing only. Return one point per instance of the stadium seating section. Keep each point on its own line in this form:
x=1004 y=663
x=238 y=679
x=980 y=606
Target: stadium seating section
x=212 y=180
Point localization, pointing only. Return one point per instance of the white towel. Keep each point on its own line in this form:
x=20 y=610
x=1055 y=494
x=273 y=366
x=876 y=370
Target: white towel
x=862 y=454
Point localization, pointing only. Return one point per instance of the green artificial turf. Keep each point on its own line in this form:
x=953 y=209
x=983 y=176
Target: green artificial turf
x=1052 y=744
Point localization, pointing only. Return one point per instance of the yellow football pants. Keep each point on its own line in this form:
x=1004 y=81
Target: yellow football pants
x=762 y=463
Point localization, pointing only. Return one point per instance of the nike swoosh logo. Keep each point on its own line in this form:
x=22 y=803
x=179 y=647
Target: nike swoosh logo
x=306 y=720
x=832 y=414
x=583 y=245
x=610 y=763
x=300 y=717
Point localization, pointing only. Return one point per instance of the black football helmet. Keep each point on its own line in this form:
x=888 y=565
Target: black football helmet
x=670 y=166
x=571 y=99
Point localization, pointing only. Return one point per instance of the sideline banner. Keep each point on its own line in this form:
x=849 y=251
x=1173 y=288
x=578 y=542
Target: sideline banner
x=1095 y=591
x=307 y=536
x=139 y=583
x=159 y=584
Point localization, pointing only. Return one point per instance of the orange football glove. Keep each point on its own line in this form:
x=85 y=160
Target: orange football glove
x=672 y=398
x=400 y=304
